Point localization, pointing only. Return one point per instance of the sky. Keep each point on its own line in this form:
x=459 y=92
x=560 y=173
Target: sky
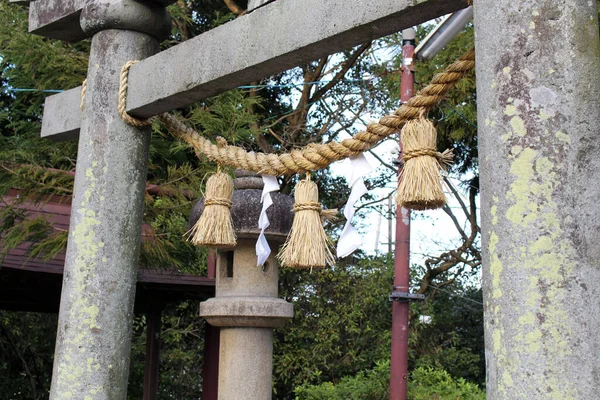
x=432 y=231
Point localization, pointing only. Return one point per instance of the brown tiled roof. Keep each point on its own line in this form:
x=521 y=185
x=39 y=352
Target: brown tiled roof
x=33 y=284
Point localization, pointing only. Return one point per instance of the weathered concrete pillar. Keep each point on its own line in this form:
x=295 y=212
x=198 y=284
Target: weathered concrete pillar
x=538 y=92
x=246 y=306
x=94 y=333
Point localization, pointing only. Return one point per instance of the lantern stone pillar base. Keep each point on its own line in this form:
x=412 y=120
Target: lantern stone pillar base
x=257 y=312
x=246 y=344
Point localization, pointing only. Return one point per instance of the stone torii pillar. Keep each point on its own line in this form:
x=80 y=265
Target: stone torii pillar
x=96 y=311
x=539 y=128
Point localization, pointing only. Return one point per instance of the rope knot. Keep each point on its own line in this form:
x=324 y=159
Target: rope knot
x=218 y=202
x=329 y=214
x=444 y=159
x=311 y=206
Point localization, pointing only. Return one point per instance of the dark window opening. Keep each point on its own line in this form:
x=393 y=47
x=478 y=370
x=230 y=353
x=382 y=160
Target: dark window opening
x=228 y=258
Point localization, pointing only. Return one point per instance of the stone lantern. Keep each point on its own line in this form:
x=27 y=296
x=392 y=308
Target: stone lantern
x=246 y=305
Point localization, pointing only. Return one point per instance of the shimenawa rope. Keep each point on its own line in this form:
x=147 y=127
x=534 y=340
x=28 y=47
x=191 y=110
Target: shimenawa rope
x=317 y=156
x=313 y=156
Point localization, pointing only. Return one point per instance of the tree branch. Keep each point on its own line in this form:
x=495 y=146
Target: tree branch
x=234 y=8
x=349 y=63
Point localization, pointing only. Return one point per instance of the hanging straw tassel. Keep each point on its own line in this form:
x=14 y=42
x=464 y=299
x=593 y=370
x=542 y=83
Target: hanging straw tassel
x=420 y=186
x=307 y=245
x=214 y=228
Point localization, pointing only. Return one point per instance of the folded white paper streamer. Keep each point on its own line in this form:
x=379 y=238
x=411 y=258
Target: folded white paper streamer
x=350 y=240
x=262 y=247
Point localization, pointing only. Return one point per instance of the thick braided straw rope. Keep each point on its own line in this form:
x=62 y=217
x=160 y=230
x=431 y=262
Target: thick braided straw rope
x=122 y=105
x=314 y=156
x=83 y=92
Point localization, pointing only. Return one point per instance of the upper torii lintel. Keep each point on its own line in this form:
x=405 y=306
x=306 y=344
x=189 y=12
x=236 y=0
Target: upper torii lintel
x=247 y=49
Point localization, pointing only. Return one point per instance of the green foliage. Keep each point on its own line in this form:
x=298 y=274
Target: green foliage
x=424 y=384
x=428 y=384
x=26 y=354
x=228 y=115
x=31 y=62
x=181 y=353
x=453 y=339
x=366 y=385
x=341 y=324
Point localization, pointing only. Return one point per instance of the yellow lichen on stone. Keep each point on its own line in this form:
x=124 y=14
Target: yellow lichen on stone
x=563 y=137
x=518 y=195
x=510 y=110
x=497 y=340
x=518 y=126
x=507 y=379
x=544 y=115
x=83 y=237
x=527 y=319
x=534 y=213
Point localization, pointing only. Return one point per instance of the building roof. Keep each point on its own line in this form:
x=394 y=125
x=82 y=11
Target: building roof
x=34 y=284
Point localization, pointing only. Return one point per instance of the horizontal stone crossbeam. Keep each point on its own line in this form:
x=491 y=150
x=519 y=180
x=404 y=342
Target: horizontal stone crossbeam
x=62 y=115
x=273 y=38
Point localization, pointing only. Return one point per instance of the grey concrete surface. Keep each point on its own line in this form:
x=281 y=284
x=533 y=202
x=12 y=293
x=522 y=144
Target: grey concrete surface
x=248 y=280
x=56 y=19
x=96 y=310
x=247 y=312
x=539 y=139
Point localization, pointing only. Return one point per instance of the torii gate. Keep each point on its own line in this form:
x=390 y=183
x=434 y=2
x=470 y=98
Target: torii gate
x=539 y=113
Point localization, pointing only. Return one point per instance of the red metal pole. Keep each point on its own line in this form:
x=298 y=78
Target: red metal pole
x=399 y=359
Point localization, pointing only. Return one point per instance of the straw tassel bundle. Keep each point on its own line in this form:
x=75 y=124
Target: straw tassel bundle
x=214 y=228
x=307 y=245
x=420 y=185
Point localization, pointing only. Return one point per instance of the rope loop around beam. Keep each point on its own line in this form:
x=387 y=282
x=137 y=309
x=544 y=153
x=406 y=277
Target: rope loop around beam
x=122 y=104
